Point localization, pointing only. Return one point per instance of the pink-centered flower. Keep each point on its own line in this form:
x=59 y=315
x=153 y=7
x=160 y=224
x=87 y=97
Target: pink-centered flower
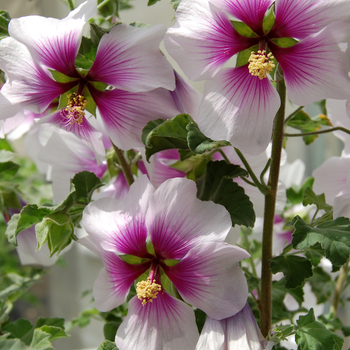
x=164 y=234
x=41 y=53
x=240 y=103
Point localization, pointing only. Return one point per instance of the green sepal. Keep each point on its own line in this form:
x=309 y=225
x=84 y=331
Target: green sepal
x=284 y=42
x=313 y=335
x=86 y=55
x=166 y=283
x=243 y=29
x=288 y=264
x=269 y=19
x=171 y=262
x=333 y=237
x=243 y=56
x=132 y=259
x=63 y=100
x=91 y=105
x=60 y=77
x=150 y=247
x=217 y=185
x=99 y=85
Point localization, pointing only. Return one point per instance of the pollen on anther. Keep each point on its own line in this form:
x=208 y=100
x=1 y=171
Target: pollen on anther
x=147 y=290
x=74 y=112
x=260 y=64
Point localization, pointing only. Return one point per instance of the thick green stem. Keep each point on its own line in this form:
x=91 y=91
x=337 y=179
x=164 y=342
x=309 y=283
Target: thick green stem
x=103 y=3
x=124 y=165
x=71 y=4
x=269 y=214
x=339 y=287
x=319 y=132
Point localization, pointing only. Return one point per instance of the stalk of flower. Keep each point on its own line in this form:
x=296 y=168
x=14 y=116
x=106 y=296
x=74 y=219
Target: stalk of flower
x=154 y=235
x=40 y=66
x=240 y=103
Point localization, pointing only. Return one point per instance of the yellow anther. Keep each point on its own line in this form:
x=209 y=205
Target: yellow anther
x=147 y=291
x=74 y=111
x=260 y=64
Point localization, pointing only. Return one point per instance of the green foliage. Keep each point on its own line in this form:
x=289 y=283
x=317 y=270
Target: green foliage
x=289 y=264
x=313 y=335
x=281 y=332
x=107 y=345
x=86 y=54
x=175 y=4
x=333 y=237
x=322 y=285
x=304 y=123
x=200 y=319
x=295 y=193
x=314 y=254
x=180 y=132
x=217 y=185
x=110 y=329
x=152 y=2
x=4 y=22
x=244 y=29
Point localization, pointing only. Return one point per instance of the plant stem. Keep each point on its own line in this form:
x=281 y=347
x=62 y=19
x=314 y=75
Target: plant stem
x=263 y=189
x=124 y=164
x=339 y=287
x=319 y=132
x=103 y=3
x=293 y=114
x=269 y=213
x=71 y=4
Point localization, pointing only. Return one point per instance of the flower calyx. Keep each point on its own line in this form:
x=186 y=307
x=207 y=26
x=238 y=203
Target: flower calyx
x=147 y=290
x=260 y=64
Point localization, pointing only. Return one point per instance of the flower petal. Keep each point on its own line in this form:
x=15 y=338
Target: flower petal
x=315 y=68
x=250 y=12
x=125 y=113
x=300 y=18
x=212 y=336
x=28 y=85
x=239 y=108
x=177 y=220
x=119 y=62
x=54 y=42
x=119 y=225
x=166 y=323
x=209 y=278
x=202 y=39
x=342 y=206
x=115 y=279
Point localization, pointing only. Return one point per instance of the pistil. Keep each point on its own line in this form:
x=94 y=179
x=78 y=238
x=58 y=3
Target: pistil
x=147 y=290
x=74 y=112
x=260 y=64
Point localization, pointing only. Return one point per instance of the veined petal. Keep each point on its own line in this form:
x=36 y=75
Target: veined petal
x=125 y=113
x=119 y=225
x=239 y=108
x=315 y=68
x=212 y=336
x=342 y=206
x=250 y=12
x=300 y=18
x=54 y=42
x=177 y=220
x=83 y=131
x=28 y=85
x=336 y=169
x=203 y=39
x=115 y=279
x=166 y=323
x=209 y=278
x=119 y=62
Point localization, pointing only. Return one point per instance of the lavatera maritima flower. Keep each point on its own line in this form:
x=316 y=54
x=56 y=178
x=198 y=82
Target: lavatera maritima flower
x=240 y=103
x=162 y=237
x=127 y=79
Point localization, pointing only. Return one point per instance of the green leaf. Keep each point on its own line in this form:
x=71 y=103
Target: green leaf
x=50 y=321
x=110 y=329
x=160 y=135
x=17 y=329
x=97 y=32
x=333 y=237
x=11 y=344
x=85 y=184
x=281 y=332
x=110 y=9
x=200 y=319
x=152 y=2
x=309 y=197
x=288 y=264
x=313 y=335
x=314 y=254
x=4 y=22
x=295 y=194
x=217 y=185
x=8 y=170
x=198 y=142
x=5 y=156
x=244 y=29
x=55 y=332
x=322 y=285
x=284 y=42
x=30 y=214
x=243 y=56
x=269 y=19
x=41 y=341
x=107 y=345
x=86 y=55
